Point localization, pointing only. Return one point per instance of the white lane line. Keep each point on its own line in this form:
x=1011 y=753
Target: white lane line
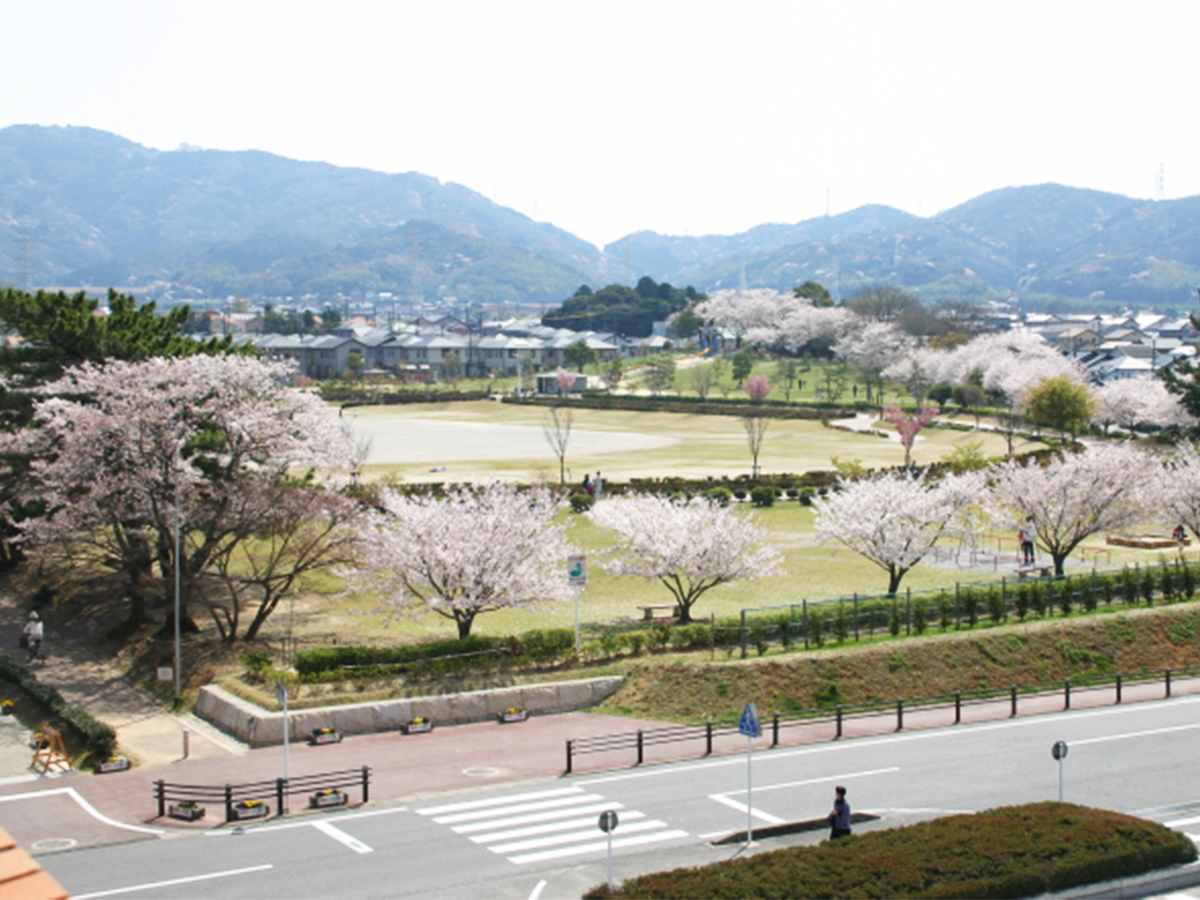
x=496 y=801
x=598 y=847
x=585 y=822
x=476 y=815
x=87 y=808
x=537 y=891
x=667 y=769
x=572 y=837
x=1179 y=823
x=1134 y=734
x=534 y=818
x=343 y=817
x=326 y=827
x=741 y=807
x=791 y=784
x=161 y=884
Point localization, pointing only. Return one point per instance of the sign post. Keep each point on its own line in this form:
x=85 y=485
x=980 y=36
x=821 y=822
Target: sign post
x=608 y=824
x=748 y=725
x=577 y=574
x=287 y=750
x=1059 y=752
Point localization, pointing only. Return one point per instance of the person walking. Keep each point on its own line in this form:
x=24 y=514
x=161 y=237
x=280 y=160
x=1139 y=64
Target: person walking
x=31 y=638
x=1028 y=539
x=839 y=816
x=597 y=484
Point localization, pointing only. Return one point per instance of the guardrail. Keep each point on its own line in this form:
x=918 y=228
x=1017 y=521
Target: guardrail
x=778 y=723
x=278 y=789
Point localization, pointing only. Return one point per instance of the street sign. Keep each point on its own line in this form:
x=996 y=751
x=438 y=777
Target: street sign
x=1059 y=750
x=748 y=724
x=166 y=673
x=577 y=569
x=608 y=821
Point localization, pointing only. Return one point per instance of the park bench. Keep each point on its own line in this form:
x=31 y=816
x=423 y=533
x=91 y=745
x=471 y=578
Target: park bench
x=650 y=612
x=1038 y=571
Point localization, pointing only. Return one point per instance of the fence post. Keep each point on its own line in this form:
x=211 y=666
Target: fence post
x=743 y=638
x=839 y=721
x=1013 y=689
x=775 y=729
x=957 y=707
x=1168 y=680
x=1118 y=687
x=228 y=804
x=640 y=748
x=899 y=715
x=908 y=610
x=856 y=635
x=366 y=783
x=708 y=736
x=160 y=793
x=279 y=785
x=1066 y=693
x=570 y=749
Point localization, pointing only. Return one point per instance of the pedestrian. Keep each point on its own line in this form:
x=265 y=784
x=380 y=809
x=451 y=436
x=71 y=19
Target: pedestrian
x=588 y=487
x=31 y=638
x=1179 y=535
x=597 y=484
x=1028 y=538
x=839 y=816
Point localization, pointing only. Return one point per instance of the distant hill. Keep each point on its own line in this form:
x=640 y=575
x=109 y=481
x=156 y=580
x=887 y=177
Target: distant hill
x=81 y=206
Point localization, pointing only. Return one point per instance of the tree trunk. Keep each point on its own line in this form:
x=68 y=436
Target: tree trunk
x=464 y=621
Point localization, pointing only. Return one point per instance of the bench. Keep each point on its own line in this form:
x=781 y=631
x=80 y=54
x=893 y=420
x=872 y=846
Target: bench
x=1039 y=571
x=649 y=613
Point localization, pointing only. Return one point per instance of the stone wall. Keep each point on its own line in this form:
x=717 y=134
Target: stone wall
x=259 y=727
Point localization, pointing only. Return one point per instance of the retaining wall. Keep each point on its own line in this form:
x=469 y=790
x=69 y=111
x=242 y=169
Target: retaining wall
x=258 y=727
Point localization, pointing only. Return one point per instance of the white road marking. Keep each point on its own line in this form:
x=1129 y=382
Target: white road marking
x=537 y=891
x=790 y=784
x=598 y=847
x=1133 y=734
x=533 y=818
x=741 y=807
x=572 y=837
x=344 y=817
x=496 y=801
x=87 y=808
x=161 y=884
x=1179 y=823
x=326 y=827
x=537 y=806
x=513 y=833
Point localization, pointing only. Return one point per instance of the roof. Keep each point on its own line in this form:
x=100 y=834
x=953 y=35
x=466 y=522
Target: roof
x=21 y=877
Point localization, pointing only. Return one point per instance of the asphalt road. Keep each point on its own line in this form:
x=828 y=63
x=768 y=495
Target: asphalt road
x=541 y=841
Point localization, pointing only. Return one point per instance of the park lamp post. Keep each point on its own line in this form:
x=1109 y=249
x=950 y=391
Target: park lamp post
x=178 y=472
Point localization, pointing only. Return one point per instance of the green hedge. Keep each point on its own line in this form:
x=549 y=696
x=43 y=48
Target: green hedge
x=1015 y=851
x=99 y=739
x=323 y=660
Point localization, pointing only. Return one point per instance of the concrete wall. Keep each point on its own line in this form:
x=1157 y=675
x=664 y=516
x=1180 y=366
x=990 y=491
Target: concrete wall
x=257 y=726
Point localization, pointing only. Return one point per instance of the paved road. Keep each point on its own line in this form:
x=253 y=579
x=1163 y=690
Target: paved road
x=540 y=838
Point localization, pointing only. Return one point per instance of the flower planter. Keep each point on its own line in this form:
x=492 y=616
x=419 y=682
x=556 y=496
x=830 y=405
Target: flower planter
x=328 y=798
x=513 y=715
x=418 y=725
x=250 y=809
x=324 y=736
x=113 y=764
x=189 y=813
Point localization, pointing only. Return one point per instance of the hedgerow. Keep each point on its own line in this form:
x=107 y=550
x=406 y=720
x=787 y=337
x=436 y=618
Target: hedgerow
x=1015 y=851
x=99 y=739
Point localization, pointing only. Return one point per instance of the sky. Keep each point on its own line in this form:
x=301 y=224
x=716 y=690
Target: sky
x=605 y=117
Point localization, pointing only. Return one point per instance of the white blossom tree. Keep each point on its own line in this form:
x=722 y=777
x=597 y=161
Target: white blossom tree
x=872 y=349
x=473 y=552
x=896 y=519
x=1076 y=495
x=138 y=441
x=1180 y=499
x=1130 y=402
x=689 y=547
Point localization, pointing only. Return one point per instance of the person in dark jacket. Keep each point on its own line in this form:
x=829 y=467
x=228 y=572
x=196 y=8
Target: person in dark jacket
x=839 y=816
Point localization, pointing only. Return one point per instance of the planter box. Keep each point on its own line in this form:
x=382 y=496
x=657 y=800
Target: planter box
x=519 y=715
x=187 y=813
x=260 y=811
x=322 y=799
x=324 y=736
x=116 y=764
x=417 y=727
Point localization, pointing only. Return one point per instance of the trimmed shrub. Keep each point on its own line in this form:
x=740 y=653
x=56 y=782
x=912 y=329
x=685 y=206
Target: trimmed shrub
x=581 y=503
x=99 y=739
x=763 y=495
x=722 y=496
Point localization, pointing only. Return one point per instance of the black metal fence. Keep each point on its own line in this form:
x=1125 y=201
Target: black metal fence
x=777 y=723
x=278 y=789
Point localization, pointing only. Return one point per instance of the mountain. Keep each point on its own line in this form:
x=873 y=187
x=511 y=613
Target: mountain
x=85 y=206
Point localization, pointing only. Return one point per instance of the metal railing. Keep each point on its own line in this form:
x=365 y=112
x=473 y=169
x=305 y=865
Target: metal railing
x=779 y=723
x=278 y=789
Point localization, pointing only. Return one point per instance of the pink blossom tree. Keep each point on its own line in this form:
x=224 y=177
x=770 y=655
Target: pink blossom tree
x=755 y=421
x=476 y=551
x=1076 y=495
x=895 y=520
x=565 y=380
x=908 y=426
x=689 y=547
x=137 y=442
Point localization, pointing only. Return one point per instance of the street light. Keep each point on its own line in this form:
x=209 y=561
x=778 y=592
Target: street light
x=178 y=603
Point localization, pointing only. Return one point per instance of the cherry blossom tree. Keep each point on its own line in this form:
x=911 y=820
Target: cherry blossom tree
x=755 y=421
x=565 y=381
x=1076 y=495
x=872 y=349
x=1130 y=402
x=690 y=547
x=1180 y=499
x=896 y=519
x=476 y=551
x=137 y=441
x=908 y=426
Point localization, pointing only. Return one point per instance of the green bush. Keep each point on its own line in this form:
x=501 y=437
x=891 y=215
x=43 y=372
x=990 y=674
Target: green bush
x=327 y=660
x=1021 y=601
x=581 y=503
x=763 y=495
x=99 y=739
x=995 y=604
x=722 y=496
x=547 y=644
x=806 y=497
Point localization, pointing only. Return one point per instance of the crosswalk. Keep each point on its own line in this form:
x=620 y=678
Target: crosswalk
x=1183 y=817
x=548 y=825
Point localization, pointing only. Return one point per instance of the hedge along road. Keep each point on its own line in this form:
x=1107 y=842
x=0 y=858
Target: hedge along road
x=483 y=440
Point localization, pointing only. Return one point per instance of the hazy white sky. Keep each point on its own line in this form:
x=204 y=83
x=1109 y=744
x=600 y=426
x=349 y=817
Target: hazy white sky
x=611 y=116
